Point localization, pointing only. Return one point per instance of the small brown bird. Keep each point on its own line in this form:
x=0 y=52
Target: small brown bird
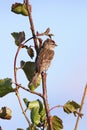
x=44 y=58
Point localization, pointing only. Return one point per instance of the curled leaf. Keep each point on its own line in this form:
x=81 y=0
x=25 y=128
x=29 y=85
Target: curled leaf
x=32 y=104
x=24 y=10
x=30 y=52
x=19 y=37
x=57 y=123
x=71 y=107
x=5 y=113
x=47 y=31
x=16 y=8
x=19 y=8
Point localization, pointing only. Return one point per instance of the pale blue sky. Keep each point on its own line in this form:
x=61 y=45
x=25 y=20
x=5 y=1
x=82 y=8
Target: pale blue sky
x=67 y=75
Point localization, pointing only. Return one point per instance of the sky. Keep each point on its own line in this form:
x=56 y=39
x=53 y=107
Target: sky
x=67 y=75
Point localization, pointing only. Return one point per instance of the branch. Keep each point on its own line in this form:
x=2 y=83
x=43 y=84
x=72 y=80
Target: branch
x=15 y=78
x=29 y=8
x=26 y=89
x=58 y=106
x=46 y=101
x=80 y=110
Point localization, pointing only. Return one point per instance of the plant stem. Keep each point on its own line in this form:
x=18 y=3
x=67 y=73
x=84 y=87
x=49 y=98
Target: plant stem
x=15 y=78
x=80 y=110
x=56 y=107
x=28 y=90
x=44 y=75
x=32 y=24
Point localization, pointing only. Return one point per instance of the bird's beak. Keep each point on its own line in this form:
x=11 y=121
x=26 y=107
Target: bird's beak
x=56 y=44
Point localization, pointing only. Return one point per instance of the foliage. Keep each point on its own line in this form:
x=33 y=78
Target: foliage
x=40 y=117
x=5 y=86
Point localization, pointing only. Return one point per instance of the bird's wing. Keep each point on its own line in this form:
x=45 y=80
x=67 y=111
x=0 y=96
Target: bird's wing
x=44 y=59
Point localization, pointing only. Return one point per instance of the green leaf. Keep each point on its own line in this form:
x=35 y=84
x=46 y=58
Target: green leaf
x=39 y=107
x=35 y=116
x=26 y=102
x=30 y=52
x=24 y=10
x=32 y=104
x=5 y=86
x=16 y=8
x=43 y=114
x=19 y=37
x=19 y=8
x=57 y=123
x=35 y=82
x=28 y=68
x=71 y=106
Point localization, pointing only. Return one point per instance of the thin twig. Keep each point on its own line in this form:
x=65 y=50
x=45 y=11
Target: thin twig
x=56 y=107
x=80 y=110
x=46 y=100
x=26 y=89
x=15 y=78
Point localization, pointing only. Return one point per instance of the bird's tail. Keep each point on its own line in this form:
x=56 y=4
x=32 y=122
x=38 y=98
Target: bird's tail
x=35 y=82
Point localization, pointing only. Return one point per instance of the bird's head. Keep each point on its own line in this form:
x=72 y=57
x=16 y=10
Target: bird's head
x=49 y=44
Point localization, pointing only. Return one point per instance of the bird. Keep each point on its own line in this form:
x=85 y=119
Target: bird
x=44 y=58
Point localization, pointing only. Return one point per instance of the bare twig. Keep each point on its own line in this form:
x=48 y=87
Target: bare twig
x=28 y=90
x=46 y=100
x=56 y=107
x=80 y=110
x=29 y=8
x=15 y=78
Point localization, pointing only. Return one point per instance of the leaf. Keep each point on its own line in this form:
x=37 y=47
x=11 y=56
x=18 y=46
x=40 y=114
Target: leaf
x=5 y=113
x=35 y=116
x=57 y=123
x=39 y=109
x=32 y=104
x=30 y=52
x=16 y=8
x=71 y=106
x=19 y=8
x=35 y=82
x=19 y=37
x=5 y=86
x=24 y=10
x=28 y=68
x=47 y=31
x=43 y=114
